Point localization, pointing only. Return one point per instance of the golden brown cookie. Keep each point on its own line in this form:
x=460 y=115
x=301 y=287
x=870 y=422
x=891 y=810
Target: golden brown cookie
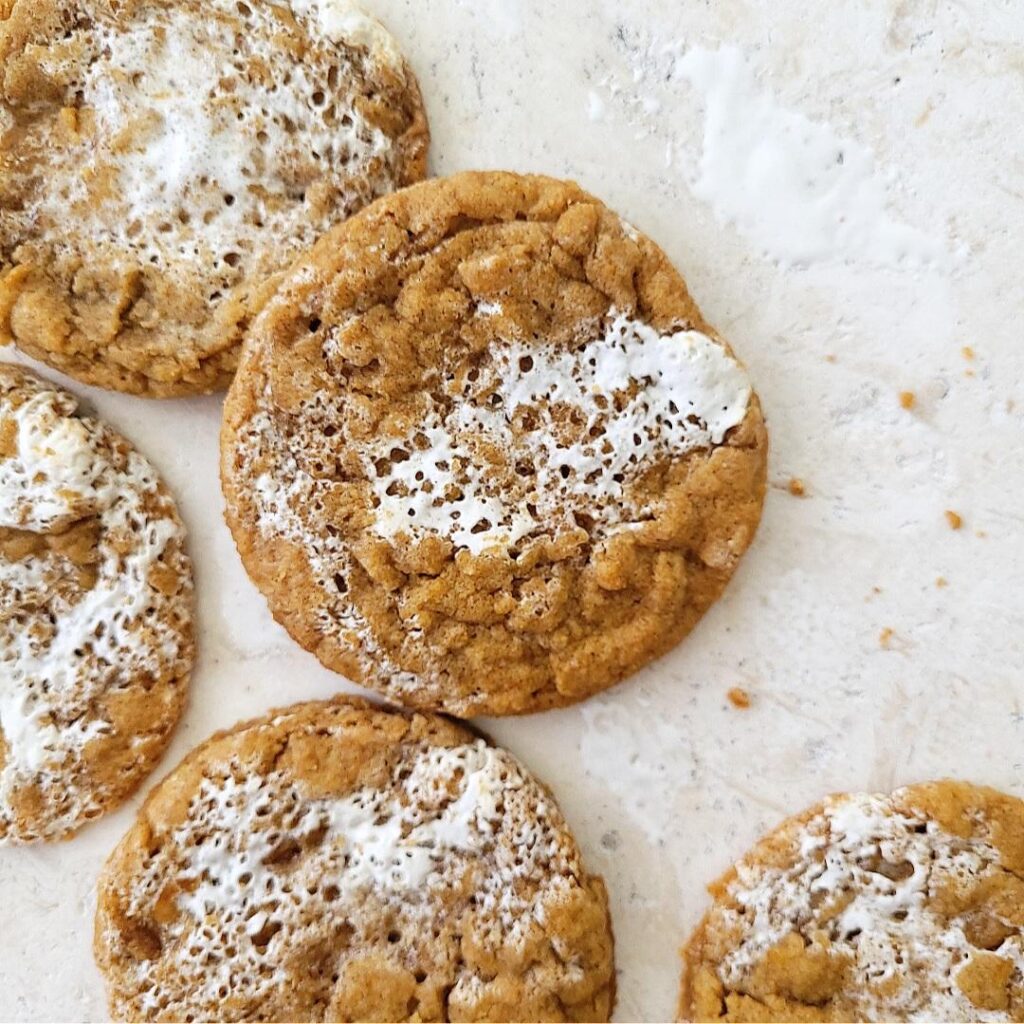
x=870 y=908
x=483 y=454
x=96 y=641
x=162 y=160
x=339 y=861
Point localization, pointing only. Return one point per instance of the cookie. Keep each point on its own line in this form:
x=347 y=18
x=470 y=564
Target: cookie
x=96 y=636
x=162 y=161
x=483 y=454
x=340 y=861
x=870 y=907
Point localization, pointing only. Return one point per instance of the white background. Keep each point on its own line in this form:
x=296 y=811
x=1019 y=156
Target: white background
x=663 y=780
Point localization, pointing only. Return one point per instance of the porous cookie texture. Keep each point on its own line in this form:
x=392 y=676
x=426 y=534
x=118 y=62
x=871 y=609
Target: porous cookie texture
x=96 y=638
x=161 y=161
x=907 y=907
x=483 y=454
x=339 y=861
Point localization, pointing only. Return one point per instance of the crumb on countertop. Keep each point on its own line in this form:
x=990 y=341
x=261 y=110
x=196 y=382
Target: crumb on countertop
x=954 y=519
x=797 y=487
x=885 y=638
x=907 y=399
x=738 y=697
x=968 y=352
x=941 y=581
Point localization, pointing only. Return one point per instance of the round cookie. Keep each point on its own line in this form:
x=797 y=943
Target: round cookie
x=339 y=861
x=96 y=640
x=161 y=161
x=870 y=907
x=483 y=454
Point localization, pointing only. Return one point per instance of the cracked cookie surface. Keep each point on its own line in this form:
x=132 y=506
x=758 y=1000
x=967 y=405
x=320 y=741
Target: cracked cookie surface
x=870 y=908
x=162 y=161
x=96 y=635
x=483 y=454
x=340 y=861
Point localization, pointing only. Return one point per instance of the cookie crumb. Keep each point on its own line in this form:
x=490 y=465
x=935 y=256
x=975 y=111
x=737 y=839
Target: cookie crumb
x=797 y=487
x=954 y=519
x=941 y=582
x=885 y=638
x=908 y=399
x=739 y=698
x=968 y=353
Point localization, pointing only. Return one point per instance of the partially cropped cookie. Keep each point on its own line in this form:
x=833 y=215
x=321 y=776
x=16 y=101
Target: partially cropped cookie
x=870 y=908
x=483 y=454
x=339 y=862
x=96 y=640
x=162 y=160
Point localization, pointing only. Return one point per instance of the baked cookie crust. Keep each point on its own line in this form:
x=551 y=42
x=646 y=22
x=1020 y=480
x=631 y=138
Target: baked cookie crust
x=483 y=454
x=907 y=906
x=96 y=607
x=162 y=161
x=340 y=861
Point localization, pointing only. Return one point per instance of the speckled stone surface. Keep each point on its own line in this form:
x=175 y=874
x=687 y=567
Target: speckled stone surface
x=863 y=672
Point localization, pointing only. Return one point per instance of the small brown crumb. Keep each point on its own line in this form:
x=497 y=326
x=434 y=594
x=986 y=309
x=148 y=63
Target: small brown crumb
x=739 y=698
x=885 y=638
x=941 y=582
x=968 y=352
x=796 y=487
x=955 y=521
x=907 y=399
x=830 y=359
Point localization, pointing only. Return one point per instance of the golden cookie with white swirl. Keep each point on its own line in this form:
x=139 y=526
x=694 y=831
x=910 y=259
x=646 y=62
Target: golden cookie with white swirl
x=339 y=861
x=96 y=636
x=483 y=454
x=870 y=907
x=161 y=161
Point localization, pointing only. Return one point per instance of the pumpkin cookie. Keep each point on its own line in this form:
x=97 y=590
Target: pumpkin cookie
x=338 y=861
x=96 y=637
x=162 y=160
x=483 y=454
x=870 y=907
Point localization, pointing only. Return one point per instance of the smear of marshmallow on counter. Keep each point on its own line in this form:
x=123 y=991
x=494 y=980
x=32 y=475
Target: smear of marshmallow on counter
x=791 y=185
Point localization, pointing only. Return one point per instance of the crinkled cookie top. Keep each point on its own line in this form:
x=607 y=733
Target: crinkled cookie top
x=160 y=160
x=342 y=862
x=906 y=907
x=483 y=454
x=95 y=613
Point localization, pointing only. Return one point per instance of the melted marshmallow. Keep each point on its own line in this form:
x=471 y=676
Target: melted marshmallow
x=343 y=22
x=643 y=395
x=887 y=929
x=199 y=146
x=791 y=185
x=61 y=472
x=399 y=846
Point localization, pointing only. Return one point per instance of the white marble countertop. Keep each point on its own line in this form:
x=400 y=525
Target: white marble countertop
x=843 y=186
